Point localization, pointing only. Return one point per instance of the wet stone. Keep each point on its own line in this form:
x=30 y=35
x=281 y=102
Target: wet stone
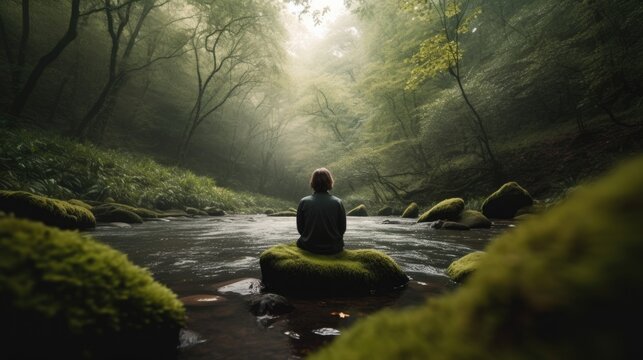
x=249 y=286
x=327 y=332
x=189 y=338
x=270 y=304
x=202 y=300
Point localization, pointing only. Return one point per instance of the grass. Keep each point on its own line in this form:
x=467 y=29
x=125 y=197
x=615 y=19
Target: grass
x=57 y=167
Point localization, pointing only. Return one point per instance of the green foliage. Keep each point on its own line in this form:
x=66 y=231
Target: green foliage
x=541 y=291
x=77 y=298
x=461 y=268
x=448 y=209
x=92 y=173
x=52 y=212
x=289 y=269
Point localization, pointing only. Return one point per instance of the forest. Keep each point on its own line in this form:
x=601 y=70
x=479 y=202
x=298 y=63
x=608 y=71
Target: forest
x=208 y=107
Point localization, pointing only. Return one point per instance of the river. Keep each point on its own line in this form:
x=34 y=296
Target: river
x=194 y=256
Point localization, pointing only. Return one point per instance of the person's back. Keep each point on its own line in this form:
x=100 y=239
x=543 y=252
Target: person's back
x=321 y=217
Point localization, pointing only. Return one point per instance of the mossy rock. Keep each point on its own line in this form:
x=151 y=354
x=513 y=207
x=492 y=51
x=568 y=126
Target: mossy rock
x=448 y=209
x=358 y=211
x=64 y=295
x=412 y=211
x=385 y=211
x=52 y=212
x=269 y=211
x=172 y=213
x=291 y=270
x=284 y=214
x=195 y=212
x=460 y=269
x=536 y=208
x=506 y=201
x=565 y=285
x=111 y=213
x=292 y=209
x=474 y=219
x=141 y=212
x=80 y=203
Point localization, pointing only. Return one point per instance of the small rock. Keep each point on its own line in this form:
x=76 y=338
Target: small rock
x=189 y=338
x=212 y=211
x=270 y=304
x=387 y=221
x=292 y=335
x=327 y=332
x=247 y=286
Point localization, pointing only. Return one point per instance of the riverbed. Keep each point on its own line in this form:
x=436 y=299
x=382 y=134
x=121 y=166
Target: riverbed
x=198 y=256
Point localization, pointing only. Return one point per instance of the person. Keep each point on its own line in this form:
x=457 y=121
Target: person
x=321 y=217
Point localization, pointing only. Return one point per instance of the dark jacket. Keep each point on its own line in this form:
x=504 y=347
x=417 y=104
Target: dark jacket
x=321 y=222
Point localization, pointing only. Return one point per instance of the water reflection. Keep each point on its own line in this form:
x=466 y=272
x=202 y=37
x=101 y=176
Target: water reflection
x=199 y=256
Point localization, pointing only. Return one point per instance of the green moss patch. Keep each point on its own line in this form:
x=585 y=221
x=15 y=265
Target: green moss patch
x=506 y=201
x=460 y=269
x=474 y=219
x=49 y=211
x=113 y=213
x=63 y=295
x=448 y=209
x=412 y=211
x=565 y=285
x=289 y=269
x=358 y=211
x=80 y=203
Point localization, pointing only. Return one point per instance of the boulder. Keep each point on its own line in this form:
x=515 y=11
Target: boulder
x=460 y=269
x=292 y=209
x=474 y=219
x=506 y=201
x=565 y=285
x=448 y=209
x=64 y=295
x=447 y=225
x=289 y=269
x=412 y=211
x=358 y=211
x=385 y=211
x=269 y=211
x=195 y=212
x=50 y=211
x=172 y=213
x=80 y=203
x=269 y=304
x=110 y=213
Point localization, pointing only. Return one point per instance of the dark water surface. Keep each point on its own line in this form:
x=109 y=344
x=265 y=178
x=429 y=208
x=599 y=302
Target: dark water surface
x=199 y=255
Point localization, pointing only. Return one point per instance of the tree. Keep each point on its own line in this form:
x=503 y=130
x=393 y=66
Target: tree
x=234 y=46
x=443 y=52
x=23 y=94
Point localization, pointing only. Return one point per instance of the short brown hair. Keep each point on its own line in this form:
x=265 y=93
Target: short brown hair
x=321 y=180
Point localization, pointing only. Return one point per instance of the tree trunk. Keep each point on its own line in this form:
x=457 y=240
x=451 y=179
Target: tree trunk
x=22 y=97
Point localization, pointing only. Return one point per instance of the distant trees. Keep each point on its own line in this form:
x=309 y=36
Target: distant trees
x=233 y=46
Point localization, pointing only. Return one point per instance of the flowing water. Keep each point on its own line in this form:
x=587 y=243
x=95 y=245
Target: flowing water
x=197 y=256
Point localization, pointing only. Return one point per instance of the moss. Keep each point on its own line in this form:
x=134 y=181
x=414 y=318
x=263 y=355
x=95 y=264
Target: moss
x=49 y=211
x=448 y=209
x=566 y=285
x=64 y=295
x=289 y=269
x=194 y=211
x=474 y=219
x=111 y=213
x=412 y=211
x=385 y=211
x=269 y=211
x=460 y=269
x=283 y=214
x=506 y=201
x=358 y=211
x=292 y=209
x=80 y=203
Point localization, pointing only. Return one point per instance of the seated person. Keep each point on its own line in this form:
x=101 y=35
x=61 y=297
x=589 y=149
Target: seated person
x=321 y=218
